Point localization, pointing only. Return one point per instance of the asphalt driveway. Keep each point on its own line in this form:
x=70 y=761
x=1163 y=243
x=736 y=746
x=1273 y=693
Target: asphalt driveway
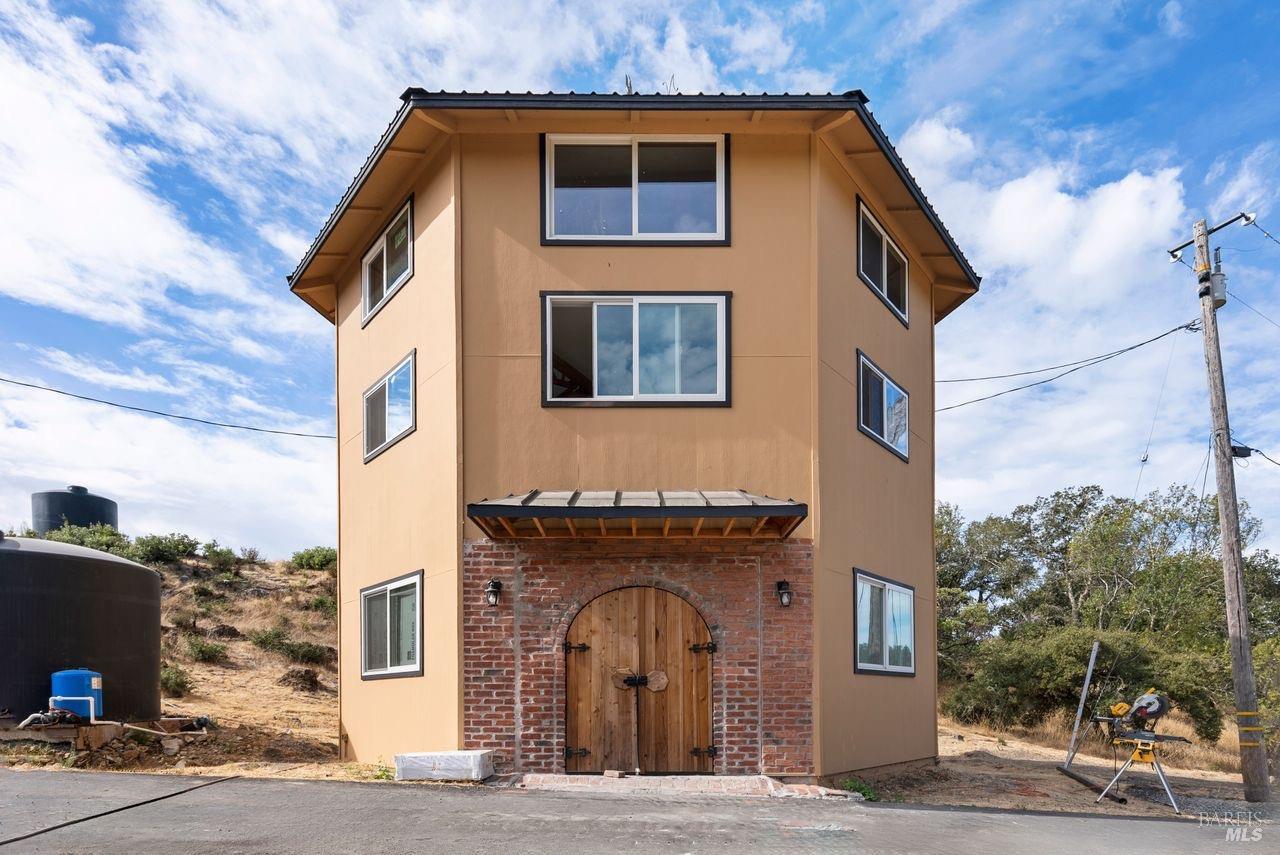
x=143 y=814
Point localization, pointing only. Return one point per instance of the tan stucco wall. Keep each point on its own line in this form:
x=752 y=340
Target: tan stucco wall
x=400 y=512
x=875 y=511
x=799 y=313
x=761 y=443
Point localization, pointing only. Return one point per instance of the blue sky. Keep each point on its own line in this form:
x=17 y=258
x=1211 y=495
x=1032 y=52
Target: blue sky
x=163 y=166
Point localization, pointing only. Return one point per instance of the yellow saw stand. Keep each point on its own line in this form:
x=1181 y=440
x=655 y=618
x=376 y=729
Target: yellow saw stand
x=1144 y=751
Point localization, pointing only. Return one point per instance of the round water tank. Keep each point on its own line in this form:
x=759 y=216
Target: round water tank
x=65 y=606
x=74 y=505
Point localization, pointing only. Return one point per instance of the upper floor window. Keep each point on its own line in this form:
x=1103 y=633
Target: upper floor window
x=884 y=615
x=647 y=189
x=882 y=407
x=389 y=262
x=636 y=348
x=390 y=618
x=881 y=264
x=388 y=409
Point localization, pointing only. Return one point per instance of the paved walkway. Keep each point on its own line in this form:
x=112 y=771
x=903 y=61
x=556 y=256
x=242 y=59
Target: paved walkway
x=268 y=815
x=674 y=785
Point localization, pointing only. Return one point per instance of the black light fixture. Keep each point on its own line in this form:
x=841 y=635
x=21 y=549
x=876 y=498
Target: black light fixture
x=784 y=593
x=492 y=592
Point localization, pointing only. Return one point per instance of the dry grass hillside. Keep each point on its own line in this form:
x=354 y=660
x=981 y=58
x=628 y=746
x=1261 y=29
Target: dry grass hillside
x=251 y=646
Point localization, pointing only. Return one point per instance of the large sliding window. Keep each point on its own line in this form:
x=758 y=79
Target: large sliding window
x=390 y=628
x=883 y=408
x=881 y=264
x=389 y=262
x=389 y=409
x=884 y=619
x=649 y=348
x=603 y=189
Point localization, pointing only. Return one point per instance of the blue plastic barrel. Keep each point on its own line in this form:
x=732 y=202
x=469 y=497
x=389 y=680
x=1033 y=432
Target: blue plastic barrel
x=78 y=683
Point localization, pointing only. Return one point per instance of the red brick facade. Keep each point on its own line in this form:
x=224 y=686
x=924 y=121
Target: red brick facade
x=762 y=681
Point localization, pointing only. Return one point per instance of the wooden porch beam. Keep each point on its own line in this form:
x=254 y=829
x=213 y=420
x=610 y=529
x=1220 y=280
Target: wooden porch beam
x=511 y=116
x=697 y=526
x=436 y=121
x=541 y=529
x=728 y=527
x=573 y=528
x=755 y=529
x=506 y=523
x=831 y=121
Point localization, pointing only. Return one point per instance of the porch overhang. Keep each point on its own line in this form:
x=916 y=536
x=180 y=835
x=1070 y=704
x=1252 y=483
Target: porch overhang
x=703 y=514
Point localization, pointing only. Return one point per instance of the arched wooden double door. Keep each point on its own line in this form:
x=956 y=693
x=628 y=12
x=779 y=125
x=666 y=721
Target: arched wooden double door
x=638 y=682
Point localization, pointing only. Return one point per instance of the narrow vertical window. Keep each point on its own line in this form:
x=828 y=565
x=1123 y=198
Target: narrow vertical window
x=389 y=262
x=389 y=409
x=884 y=617
x=883 y=408
x=881 y=264
x=391 y=636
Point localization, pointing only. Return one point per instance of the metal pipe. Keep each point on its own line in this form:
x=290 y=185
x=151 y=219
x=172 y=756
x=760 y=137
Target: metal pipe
x=1084 y=693
x=1091 y=784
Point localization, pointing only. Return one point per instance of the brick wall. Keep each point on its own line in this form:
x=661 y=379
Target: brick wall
x=513 y=664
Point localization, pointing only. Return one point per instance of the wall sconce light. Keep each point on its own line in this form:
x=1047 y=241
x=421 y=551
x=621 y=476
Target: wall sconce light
x=492 y=591
x=784 y=593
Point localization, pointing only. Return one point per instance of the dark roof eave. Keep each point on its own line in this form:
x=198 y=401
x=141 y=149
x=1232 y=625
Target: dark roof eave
x=416 y=98
x=485 y=510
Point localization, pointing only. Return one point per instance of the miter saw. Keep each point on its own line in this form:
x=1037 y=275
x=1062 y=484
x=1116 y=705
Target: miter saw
x=1134 y=725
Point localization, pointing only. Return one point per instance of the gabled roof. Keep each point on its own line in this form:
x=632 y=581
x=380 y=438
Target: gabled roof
x=436 y=107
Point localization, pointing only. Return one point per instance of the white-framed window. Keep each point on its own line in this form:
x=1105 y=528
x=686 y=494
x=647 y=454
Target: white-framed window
x=390 y=628
x=641 y=188
x=389 y=408
x=636 y=348
x=389 y=262
x=881 y=264
x=883 y=408
x=884 y=621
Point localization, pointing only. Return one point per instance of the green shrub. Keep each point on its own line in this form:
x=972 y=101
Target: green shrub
x=250 y=555
x=315 y=558
x=164 y=548
x=1023 y=680
x=220 y=558
x=186 y=620
x=203 y=650
x=304 y=652
x=175 y=681
x=323 y=603
x=229 y=579
x=853 y=785
x=99 y=536
x=202 y=591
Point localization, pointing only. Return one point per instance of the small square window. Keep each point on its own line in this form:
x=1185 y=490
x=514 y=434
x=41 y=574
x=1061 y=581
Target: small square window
x=389 y=409
x=884 y=619
x=881 y=264
x=389 y=262
x=391 y=614
x=883 y=408
x=621 y=188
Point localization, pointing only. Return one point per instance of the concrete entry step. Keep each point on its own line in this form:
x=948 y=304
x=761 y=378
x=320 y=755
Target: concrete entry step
x=444 y=766
x=696 y=785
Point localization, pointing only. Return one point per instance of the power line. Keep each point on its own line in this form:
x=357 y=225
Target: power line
x=168 y=415
x=1252 y=309
x=1142 y=465
x=1269 y=235
x=1190 y=326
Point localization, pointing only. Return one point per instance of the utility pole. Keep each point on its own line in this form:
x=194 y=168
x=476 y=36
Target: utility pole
x=1253 y=754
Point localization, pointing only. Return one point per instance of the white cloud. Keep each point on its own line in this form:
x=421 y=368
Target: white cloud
x=1247 y=184
x=1170 y=19
x=1074 y=268
x=104 y=373
x=244 y=489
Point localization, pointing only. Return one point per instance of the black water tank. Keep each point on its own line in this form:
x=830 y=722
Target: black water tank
x=75 y=505
x=64 y=606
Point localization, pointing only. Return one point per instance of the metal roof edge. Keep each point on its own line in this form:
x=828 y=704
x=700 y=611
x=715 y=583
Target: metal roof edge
x=885 y=146
x=618 y=100
x=397 y=122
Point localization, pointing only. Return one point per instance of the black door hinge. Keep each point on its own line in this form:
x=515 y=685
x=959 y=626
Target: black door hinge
x=575 y=752
x=636 y=680
x=709 y=751
x=576 y=648
x=709 y=647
